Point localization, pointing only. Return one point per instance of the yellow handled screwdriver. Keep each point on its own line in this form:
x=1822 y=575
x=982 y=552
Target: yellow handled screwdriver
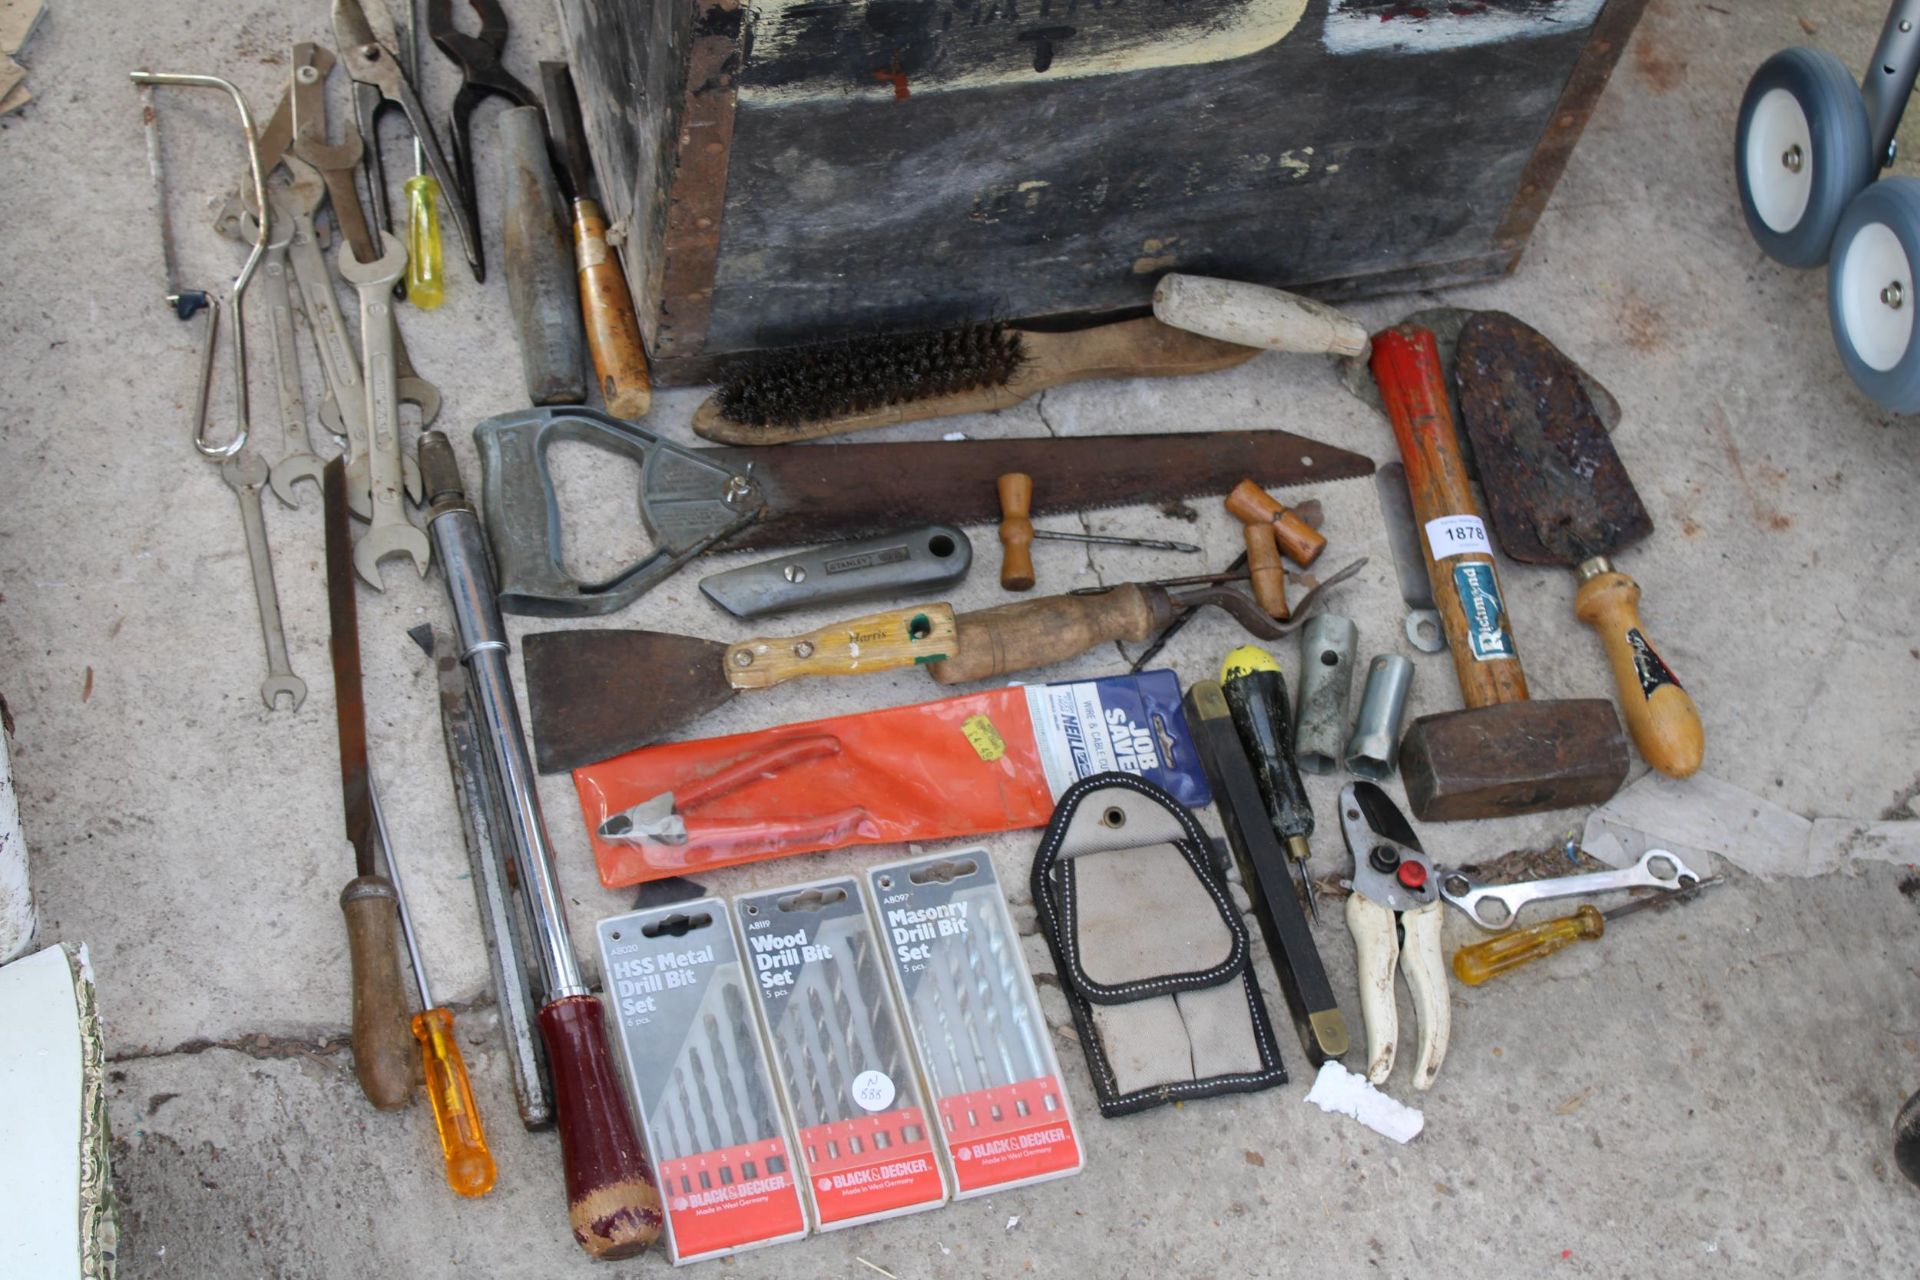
x=426 y=273
x=1474 y=964
x=470 y=1167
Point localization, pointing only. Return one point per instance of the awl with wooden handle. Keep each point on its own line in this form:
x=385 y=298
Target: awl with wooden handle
x=541 y=289
x=613 y=330
x=595 y=694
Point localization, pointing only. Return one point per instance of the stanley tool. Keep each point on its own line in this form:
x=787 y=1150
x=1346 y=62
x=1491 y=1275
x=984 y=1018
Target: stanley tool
x=381 y=1059
x=910 y=562
x=375 y=66
x=613 y=1201
x=1394 y=916
x=463 y=1140
x=596 y=694
x=1476 y=963
x=1559 y=495
x=1502 y=755
x=741 y=499
x=613 y=330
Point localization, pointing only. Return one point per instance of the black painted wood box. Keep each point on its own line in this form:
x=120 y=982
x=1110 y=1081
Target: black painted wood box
x=792 y=170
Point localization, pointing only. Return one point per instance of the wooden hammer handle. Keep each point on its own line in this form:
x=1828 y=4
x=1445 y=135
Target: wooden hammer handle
x=1016 y=532
x=1038 y=633
x=1413 y=386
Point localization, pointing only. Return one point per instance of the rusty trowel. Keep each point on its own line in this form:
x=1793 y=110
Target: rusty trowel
x=1557 y=494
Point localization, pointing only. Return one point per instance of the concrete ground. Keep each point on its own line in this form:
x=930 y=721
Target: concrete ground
x=1707 y=1092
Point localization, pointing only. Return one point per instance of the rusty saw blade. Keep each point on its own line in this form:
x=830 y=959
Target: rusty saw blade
x=823 y=493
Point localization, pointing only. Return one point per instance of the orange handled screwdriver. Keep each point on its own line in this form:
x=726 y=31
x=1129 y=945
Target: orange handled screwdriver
x=1474 y=964
x=470 y=1167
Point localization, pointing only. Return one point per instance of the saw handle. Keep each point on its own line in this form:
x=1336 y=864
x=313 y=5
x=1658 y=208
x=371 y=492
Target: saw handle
x=1299 y=541
x=613 y=330
x=1413 y=386
x=1038 y=633
x=1016 y=532
x=1660 y=715
x=876 y=642
x=382 y=1043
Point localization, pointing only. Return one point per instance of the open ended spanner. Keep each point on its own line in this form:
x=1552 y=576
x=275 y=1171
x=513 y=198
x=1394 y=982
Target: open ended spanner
x=1656 y=869
x=391 y=532
x=245 y=474
x=297 y=460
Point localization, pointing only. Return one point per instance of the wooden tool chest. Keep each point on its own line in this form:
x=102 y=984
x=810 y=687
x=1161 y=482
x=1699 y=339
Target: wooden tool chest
x=795 y=170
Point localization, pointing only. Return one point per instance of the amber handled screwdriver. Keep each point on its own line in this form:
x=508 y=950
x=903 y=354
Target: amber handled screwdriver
x=426 y=267
x=470 y=1167
x=1474 y=964
x=606 y=305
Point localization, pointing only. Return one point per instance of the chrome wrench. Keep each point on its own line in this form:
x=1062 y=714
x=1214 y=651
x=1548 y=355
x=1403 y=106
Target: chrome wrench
x=1657 y=869
x=245 y=473
x=298 y=461
x=391 y=532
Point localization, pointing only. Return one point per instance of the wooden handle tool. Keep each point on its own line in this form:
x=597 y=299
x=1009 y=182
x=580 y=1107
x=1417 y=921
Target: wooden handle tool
x=1299 y=541
x=1253 y=315
x=877 y=642
x=1660 y=715
x=382 y=1045
x=613 y=330
x=1037 y=633
x=1016 y=532
x=1265 y=570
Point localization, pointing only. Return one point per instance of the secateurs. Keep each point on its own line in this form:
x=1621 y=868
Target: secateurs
x=1394 y=916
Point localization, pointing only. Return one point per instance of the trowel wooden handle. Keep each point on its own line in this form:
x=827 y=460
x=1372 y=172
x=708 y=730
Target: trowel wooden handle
x=876 y=642
x=1265 y=571
x=382 y=1043
x=1016 y=532
x=1466 y=590
x=613 y=331
x=1038 y=633
x=1253 y=315
x=1299 y=541
x=1660 y=715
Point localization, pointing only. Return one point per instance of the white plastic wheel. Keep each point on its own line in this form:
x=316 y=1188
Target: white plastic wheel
x=1779 y=167
x=1870 y=292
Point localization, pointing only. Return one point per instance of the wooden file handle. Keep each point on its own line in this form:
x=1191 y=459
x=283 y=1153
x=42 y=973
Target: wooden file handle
x=383 y=1058
x=1016 y=532
x=1038 y=633
x=1413 y=385
x=1254 y=315
x=613 y=1201
x=1660 y=715
x=613 y=331
x=1299 y=541
x=876 y=642
x=1265 y=570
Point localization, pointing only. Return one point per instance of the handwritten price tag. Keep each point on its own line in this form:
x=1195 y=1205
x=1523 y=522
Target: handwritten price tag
x=1457 y=536
x=873 y=1090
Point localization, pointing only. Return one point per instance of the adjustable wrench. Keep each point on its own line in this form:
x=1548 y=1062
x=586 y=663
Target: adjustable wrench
x=391 y=532
x=298 y=461
x=245 y=473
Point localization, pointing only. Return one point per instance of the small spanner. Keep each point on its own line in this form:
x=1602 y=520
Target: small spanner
x=337 y=162
x=298 y=461
x=1657 y=869
x=391 y=533
x=245 y=473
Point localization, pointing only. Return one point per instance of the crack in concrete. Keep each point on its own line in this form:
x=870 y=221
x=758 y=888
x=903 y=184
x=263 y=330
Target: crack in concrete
x=258 y=1044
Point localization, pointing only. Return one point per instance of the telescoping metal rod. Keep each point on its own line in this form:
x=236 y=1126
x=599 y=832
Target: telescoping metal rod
x=236 y=295
x=612 y=1198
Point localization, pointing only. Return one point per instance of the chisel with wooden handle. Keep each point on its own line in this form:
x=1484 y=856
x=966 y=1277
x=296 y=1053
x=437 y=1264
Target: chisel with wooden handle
x=544 y=298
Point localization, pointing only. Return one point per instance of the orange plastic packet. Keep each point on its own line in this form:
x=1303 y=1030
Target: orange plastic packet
x=960 y=766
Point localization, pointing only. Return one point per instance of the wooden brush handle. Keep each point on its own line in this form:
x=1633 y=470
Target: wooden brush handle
x=1255 y=316
x=613 y=331
x=1142 y=348
x=1660 y=715
x=1299 y=541
x=1016 y=532
x=1265 y=570
x=1038 y=633
x=1413 y=386
x=876 y=642
x=382 y=1043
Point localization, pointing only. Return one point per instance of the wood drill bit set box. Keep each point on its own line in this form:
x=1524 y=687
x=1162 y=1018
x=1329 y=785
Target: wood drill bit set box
x=790 y=171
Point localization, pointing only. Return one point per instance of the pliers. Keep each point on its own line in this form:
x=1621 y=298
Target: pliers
x=1394 y=915
x=376 y=70
x=662 y=819
x=481 y=75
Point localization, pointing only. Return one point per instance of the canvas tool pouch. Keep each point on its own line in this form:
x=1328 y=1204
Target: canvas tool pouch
x=1151 y=952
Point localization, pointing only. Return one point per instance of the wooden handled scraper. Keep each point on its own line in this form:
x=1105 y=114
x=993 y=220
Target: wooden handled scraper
x=1557 y=494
